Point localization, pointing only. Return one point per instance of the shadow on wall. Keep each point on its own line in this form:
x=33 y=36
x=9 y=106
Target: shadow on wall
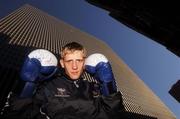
x=11 y=61
x=131 y=115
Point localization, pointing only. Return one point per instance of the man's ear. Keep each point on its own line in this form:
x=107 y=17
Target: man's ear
x=84 y=63
x=62 y=63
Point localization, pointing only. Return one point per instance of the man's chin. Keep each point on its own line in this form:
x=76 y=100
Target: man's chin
x=74 y=77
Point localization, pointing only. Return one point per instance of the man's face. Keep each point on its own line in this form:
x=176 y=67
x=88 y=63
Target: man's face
x=73 y=63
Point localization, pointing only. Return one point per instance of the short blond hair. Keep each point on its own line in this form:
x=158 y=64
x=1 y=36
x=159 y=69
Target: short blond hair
x=71 y=47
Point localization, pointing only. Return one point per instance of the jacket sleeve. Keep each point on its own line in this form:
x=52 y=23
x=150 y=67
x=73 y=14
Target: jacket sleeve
x=23 y=108
x=110 y=107
x=17 y=108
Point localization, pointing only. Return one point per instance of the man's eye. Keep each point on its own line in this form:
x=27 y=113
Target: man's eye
x=79 y=60
x=68 y=61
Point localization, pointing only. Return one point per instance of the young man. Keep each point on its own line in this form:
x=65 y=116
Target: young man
x=68 y=96
x=72 y=60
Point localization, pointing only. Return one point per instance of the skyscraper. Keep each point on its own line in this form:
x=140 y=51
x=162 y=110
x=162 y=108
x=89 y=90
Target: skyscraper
x=29 y=28
x=175 y=91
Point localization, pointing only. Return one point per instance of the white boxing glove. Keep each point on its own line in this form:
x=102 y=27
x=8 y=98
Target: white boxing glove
x=99 y=67
x=39 y=65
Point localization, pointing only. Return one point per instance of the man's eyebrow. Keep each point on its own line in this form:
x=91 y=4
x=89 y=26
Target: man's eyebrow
x=68 y=59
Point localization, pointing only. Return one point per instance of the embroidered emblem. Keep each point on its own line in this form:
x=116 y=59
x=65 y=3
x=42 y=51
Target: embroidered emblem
x=61 y=92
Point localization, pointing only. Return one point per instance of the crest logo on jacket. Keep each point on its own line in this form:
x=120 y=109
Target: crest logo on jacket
x=61 y=92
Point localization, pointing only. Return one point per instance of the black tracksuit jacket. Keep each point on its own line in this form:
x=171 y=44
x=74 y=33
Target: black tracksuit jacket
x=62 y=98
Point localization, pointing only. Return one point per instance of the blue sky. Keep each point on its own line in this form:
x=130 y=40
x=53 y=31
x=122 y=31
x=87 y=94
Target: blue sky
x=152 y=62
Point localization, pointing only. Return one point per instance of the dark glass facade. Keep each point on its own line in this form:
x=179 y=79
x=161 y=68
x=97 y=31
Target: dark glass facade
x=175 y=91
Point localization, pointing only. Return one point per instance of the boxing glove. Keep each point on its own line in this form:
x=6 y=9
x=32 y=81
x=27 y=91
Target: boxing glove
x=39 y=65
x=98 y=66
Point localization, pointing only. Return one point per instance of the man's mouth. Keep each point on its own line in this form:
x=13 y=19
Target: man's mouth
x=74 y=73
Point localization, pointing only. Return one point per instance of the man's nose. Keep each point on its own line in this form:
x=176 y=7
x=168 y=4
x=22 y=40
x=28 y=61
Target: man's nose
x=74 y=65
